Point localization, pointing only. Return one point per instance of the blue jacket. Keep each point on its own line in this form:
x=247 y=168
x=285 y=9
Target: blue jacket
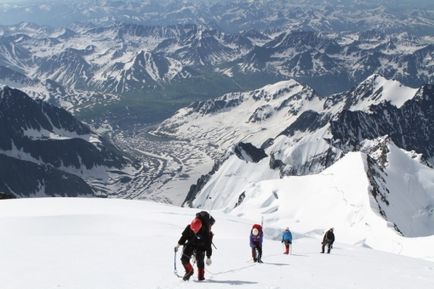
x=287 y=236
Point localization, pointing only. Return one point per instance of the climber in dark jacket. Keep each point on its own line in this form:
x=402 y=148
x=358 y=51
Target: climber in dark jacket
x=196 y=239
x=256 y=238
x=328 y=239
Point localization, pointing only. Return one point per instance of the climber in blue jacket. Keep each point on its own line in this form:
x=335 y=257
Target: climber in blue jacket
x=287 y=240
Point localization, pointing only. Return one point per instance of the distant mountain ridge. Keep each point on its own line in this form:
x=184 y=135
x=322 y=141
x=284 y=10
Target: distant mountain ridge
x=233 y=16
x=98 y=71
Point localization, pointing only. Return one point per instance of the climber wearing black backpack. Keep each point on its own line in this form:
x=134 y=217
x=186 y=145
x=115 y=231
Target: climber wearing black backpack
x=197 y=239
x=206 y=219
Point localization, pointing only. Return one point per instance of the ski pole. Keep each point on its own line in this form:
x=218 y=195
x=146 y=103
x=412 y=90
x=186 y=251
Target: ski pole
x=174 y=259
x=174 y=262
x=212 y=243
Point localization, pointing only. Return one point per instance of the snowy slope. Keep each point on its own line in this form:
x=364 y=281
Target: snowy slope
x=112 y=244
x=406 y=188
x=380 y=198
x=251 y=116
x=382 y=89
x=342 y=196
x=264 y=113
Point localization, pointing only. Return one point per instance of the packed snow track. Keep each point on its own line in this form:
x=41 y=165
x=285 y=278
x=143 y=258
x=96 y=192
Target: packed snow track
x=112 y=244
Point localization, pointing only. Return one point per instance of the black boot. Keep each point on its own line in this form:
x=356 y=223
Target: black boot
x=188 y=275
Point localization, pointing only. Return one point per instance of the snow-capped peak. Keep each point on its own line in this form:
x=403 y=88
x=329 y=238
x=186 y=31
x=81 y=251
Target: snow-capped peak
x=377 y=89
x=280 y=86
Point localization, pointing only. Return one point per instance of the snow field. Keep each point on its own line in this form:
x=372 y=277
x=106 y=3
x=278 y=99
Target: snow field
x=338 y=197
x=99 y=243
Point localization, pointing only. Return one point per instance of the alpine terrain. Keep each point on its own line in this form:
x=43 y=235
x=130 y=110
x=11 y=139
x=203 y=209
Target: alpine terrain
x=130 y=74
x=45 y=151
x=293 y=155
x=216 y=143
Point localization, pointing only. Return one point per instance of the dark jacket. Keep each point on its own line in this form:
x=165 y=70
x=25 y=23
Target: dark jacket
x=201 y=241
x=256 y=241
x=329 y=237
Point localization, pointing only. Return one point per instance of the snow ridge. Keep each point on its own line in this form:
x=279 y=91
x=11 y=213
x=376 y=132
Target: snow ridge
x=322 y=151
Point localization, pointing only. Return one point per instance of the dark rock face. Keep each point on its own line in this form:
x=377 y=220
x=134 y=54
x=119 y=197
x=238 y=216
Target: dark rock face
x=15 y=76
x=218 y=104
x=26 y=179
x=314 y=164
x=275 y=163
x=19 y=113
x=409 y=127
x=69 y=66
x=42 y=145
x=201 y=182
x=249 y=153
x=378 y=187
x=244 y=151
x=307 y=121
x=261 y=113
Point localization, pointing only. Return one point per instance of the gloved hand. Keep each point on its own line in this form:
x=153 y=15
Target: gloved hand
x=208 y=261
x=176 y=247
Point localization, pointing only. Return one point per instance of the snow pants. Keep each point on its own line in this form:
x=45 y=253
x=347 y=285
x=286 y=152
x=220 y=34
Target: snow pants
x=257 y=253
x=329 y=247
x=199 y=254
x=287 y=246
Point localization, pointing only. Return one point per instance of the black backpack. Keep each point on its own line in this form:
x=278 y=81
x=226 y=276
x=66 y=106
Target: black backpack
x=206 y=219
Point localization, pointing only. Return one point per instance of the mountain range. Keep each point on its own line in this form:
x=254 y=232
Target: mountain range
x=130 y=73
x=281 y=149
x=232 y=16
x=45 y=151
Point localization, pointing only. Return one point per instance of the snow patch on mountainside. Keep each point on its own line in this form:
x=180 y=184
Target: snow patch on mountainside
x=59 y=134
